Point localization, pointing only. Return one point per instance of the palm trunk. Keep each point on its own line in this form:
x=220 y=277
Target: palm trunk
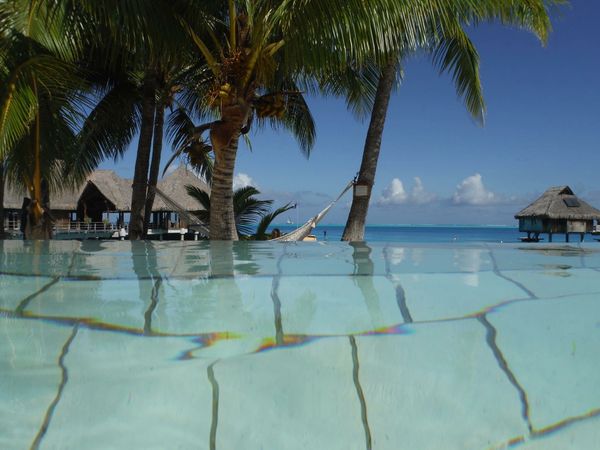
x=140 y=176
x=2 y=182
x=222 y=220
x=224 y=136
x=159 y=121
x=38 y=221
x=355 y=226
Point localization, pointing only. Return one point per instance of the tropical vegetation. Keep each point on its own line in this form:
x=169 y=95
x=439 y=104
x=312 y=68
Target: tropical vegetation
x=450 y=51
x=252 y=216
x=79 y=79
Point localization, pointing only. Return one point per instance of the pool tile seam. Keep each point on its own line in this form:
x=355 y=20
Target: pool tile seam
x=5 y=273
x=277 y=303
x=215 y=405
x=565 y=423
x=151 y=307
x=63 y=382
x=19 y=310
x=206 y=274
x=400 y=293
x=360 y=393
x=72 y=263
x=402 y=305
x=491 y=335
x=102 y=327
x=553 y=428
x=176 y=265
x=497 y=271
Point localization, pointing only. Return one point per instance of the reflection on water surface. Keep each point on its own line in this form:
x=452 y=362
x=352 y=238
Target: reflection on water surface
x=292 y=346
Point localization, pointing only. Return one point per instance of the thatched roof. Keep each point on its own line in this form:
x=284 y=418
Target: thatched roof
x=60 y=201
x=117 y=191
x=554 y=204
x=173 y=186
x=13 y=199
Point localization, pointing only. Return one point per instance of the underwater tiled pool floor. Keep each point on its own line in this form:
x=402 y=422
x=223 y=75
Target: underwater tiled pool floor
x=196 y=345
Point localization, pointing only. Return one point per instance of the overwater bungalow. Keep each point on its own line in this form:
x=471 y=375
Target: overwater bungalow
x=103 y=202
x=64 y=205
x=557 y=211
x=172 y=200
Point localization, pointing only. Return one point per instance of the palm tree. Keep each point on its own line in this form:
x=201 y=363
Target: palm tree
x=2 y=184
x=261 y=52
x=244 y=82
x=174 y=97
x=135 y=64
x=452 y=51
x=248 y=210
x=162 y=61
x=46 y=89
x=39 y=94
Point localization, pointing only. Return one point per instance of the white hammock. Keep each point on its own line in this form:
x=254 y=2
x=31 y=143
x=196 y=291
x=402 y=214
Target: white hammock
x=306 y=229
x=296 y=235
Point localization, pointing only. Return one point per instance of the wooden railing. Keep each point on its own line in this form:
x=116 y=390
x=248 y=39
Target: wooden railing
x=86 y=227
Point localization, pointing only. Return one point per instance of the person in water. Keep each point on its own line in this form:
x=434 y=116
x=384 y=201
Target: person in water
x=275 y=233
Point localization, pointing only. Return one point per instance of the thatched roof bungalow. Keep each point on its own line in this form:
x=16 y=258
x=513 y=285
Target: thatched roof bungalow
x=558 y=210
x=106 y=192
x=63 y=203
x=65 y=200
x=174 y=185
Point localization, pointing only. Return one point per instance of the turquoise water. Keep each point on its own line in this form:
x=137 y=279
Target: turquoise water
x=198 y=345
x=420 y=233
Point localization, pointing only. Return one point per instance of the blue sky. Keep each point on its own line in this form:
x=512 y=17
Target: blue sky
x=542 y=129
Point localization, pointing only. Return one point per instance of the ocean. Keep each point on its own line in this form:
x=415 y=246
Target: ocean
x=420 y=233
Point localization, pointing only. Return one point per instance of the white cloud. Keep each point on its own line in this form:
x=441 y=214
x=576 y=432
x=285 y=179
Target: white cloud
x=419 y=195
x=471 y=191
x=241 y=180
x=395 y=194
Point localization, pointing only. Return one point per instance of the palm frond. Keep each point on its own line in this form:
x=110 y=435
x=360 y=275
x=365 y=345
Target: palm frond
x=180 y=128
x=248 y=209
x=265 y=222
x=357 y=84
x=108 y=129
x=18 y=101
x=296 y=117
x=457 y=55
x=188 y=141
x=203 y=199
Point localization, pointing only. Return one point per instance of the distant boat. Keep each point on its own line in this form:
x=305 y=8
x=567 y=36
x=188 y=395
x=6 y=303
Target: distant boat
x=288 y=221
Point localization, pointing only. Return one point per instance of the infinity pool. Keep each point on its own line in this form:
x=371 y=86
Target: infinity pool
x=197 y=345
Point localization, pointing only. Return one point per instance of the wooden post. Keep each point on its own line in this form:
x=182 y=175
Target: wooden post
x=566 y=237
x=581 y=236
x=549 y=237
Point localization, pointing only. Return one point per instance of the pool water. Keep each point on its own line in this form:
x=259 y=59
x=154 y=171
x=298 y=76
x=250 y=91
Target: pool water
x=198 y=345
